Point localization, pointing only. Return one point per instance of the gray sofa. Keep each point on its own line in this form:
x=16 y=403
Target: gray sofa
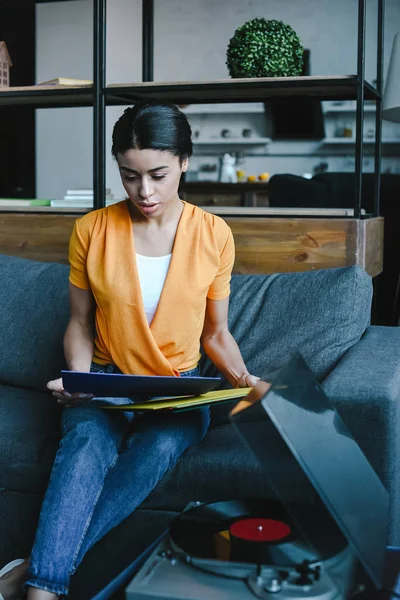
x=323 y=314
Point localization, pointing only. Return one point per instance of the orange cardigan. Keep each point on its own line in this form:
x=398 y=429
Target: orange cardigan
x=103 y=258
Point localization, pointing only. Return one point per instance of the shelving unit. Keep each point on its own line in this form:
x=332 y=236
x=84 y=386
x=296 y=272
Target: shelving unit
x=335 y=88
x=188 y=92
x=338 y=241
x=54 y=96
x=241 y=90
x=251 y=91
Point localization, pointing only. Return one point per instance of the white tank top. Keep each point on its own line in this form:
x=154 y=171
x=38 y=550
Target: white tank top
x=152 y=271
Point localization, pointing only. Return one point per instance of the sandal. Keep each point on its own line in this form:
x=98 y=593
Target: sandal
x=9 y=567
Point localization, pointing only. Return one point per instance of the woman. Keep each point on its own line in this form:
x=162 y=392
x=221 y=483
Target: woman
x=153 y=274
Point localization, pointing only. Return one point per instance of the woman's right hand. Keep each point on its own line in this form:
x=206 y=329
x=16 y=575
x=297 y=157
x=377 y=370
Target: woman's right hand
x=68 y=400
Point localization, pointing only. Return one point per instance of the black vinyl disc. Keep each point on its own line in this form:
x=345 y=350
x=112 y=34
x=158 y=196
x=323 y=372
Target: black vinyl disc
x=224 y=531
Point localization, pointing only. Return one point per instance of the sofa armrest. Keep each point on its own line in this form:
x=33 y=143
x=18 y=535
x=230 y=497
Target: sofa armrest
x=365 y=388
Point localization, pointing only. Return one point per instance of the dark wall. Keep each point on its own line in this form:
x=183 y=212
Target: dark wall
x=17 y=124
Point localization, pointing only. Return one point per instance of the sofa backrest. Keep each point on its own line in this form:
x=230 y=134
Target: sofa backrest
x=319 y=313
x=34 y=314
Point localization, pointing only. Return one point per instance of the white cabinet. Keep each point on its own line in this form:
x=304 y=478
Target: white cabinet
x=340 y=117
x=228 y=127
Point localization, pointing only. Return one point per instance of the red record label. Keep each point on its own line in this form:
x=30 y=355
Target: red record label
x=260 y=530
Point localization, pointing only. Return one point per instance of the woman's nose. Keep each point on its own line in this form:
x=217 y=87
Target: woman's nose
x=146 y=189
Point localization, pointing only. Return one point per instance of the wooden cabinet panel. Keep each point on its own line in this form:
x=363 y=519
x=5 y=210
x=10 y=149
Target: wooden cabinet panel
x=36 y=236
x=263 y=245
x=276 y=245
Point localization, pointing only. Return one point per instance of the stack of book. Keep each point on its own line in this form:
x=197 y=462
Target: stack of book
x=81 y=198
x=23 y=202
x=67 y=81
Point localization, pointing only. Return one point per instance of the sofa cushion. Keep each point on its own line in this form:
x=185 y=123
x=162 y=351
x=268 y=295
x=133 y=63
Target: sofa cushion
x=198 y=475
x=29 y=434
x=33 y=317
x=320 y=314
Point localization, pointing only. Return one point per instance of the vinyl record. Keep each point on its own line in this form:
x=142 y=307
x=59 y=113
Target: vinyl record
x=219 y=535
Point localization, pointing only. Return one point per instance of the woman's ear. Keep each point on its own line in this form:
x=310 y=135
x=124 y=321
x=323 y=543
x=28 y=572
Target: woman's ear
x=185 y=165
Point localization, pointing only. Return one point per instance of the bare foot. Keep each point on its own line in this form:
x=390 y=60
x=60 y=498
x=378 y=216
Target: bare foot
x=11 y=582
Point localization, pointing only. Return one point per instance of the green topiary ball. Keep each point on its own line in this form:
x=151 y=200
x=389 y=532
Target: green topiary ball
x=262 y=48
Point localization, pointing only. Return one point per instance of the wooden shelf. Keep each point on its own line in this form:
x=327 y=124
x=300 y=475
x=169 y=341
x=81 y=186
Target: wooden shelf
x=189 y=92
x=271 y=211
x=44 y=209
x=51 y=96
x=238 y=211
x=239 y=90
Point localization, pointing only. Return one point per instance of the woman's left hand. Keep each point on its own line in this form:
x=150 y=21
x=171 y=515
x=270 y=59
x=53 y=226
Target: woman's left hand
x=247 y=381
x=254 y=396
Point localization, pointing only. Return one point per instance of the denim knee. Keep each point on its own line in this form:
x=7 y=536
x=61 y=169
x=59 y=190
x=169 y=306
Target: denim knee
x=102 y=423
x=169 y=448
x=90 y=439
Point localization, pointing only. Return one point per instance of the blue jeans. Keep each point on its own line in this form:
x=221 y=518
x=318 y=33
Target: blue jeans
x=106 y=465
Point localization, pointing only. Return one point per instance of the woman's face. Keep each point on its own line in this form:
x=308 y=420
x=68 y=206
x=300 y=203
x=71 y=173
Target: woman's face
x=151 y=178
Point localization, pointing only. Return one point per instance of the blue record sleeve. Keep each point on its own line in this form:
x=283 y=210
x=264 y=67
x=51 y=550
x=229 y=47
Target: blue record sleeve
x=136 y=386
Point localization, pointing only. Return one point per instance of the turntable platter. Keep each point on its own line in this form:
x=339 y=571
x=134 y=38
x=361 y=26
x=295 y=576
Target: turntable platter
x=218 y=535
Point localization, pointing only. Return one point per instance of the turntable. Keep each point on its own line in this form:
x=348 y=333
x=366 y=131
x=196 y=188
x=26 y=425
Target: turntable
x=247 y=549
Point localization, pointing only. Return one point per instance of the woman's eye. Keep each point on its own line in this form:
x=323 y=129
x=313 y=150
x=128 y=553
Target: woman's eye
x=158 y=176
x=130 y=178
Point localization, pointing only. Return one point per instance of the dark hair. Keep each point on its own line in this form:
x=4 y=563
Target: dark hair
x=154 y=126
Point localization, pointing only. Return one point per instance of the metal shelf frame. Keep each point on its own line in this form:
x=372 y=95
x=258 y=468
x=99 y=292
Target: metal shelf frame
x=99 y=96
x=245 y=90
